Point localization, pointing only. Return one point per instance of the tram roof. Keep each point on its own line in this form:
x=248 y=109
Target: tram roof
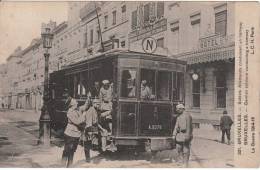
x=125 y=54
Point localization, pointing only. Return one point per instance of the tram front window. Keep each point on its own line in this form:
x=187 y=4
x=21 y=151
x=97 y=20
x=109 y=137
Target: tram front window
x=128 y=85
x=164 y=85
x=147 y=84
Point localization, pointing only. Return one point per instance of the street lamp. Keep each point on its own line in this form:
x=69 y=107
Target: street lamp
x=45 y=131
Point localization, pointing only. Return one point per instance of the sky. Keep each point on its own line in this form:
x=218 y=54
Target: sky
x=20 y=22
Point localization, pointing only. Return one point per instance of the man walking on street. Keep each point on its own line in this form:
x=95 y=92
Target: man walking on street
x=182 y=134
x=225 y=125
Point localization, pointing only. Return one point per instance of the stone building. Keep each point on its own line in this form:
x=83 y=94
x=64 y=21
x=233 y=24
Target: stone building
x=202 y=33
x=3 y=87
x=12 y=66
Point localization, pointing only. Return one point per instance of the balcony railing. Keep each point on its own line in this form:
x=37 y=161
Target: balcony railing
x=148 y=30
x=215 y=41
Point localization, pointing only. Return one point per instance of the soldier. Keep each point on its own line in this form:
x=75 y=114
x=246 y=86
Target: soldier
x=72 y=132
x=91 y=128
x=225 y=126
x=145 y=90
x=182 y=134
x=94 y=91
x=106 y=104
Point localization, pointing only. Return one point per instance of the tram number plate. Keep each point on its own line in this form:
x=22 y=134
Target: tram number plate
x=155 y=127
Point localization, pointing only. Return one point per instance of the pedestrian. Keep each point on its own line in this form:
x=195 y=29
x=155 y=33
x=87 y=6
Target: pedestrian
x=182 y=134
x=72 y=132
x=225 y=126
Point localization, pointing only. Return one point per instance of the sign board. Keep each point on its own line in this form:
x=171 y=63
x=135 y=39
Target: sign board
x=149 y=45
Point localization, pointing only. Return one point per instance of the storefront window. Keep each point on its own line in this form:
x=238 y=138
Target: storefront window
x=164 y=85
x=196 y=93
x=128 y=83
x=147 y=84
x=221 y=90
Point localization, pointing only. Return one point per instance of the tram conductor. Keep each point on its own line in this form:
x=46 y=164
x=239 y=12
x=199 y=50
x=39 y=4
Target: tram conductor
x=182 y=134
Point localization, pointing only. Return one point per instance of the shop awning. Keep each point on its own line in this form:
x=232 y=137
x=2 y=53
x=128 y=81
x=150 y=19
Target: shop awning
x=209 y=55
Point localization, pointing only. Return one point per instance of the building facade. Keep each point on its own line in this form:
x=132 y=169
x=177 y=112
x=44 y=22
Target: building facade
x=201 y=33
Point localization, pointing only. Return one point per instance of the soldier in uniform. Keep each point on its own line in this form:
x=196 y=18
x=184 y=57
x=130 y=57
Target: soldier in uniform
x=105 y=97
x=72 y=132
x=225 y=126
x=91 y=128
x=182 y=134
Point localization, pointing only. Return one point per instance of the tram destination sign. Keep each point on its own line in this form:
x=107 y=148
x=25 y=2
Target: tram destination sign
x=149 y=45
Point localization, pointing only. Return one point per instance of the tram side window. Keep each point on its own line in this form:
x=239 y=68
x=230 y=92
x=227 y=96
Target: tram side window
x=164 y=85
x=147 y=84
x=69 y=84
x=83 y=83
x=128 y=83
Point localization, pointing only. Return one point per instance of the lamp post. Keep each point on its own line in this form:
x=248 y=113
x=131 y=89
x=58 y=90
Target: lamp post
x=45 y=131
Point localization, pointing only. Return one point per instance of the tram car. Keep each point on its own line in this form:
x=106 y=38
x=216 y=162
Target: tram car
x=138 y=120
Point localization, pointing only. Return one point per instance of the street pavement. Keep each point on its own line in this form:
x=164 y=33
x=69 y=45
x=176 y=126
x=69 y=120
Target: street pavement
x=19 y=136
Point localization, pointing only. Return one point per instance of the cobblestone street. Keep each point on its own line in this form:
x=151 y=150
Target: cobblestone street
x=18 y=148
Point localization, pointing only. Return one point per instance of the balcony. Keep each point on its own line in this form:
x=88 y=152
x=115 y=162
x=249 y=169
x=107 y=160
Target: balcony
x=148 y=30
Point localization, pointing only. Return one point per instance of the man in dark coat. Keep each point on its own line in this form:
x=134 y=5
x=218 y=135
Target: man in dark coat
x=225 y=126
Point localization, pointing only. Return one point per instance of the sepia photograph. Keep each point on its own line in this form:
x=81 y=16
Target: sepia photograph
x=117 y=84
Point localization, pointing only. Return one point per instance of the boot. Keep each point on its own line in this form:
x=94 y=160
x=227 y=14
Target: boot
x=87 y=155
x=228 y=142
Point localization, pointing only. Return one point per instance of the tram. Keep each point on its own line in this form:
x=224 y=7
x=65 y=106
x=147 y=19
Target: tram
x=138 y=121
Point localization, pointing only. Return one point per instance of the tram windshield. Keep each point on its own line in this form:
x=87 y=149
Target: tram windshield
x=128 y=87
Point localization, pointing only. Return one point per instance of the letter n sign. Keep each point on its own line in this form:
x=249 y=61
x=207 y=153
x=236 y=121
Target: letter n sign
x=149 y=45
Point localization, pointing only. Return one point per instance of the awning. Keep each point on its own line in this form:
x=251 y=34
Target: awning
x=209 y=55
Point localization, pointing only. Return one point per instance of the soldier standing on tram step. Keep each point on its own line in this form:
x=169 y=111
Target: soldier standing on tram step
x=91 y=128
x=182 y=134
x=72 y=132
x=225 y=126
x=106 y=104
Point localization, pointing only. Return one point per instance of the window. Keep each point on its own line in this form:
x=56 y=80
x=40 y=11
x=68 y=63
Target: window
x=123 y=44
x=174 y=26
x=123 y=12
x=174 y=37
x=128 y=84
x=91 y=37
x=195 y=19
x=196 y=93
x=164 y=85
x=134 y=19
x=98 y=33
x=160 y=42
x=147 y=84
x=220 y=89
x=146 y=12
x=195 y=32
x=86 y=39
x=160 y=9
x=114 y=18
x=106 y=21
x=221 y=19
